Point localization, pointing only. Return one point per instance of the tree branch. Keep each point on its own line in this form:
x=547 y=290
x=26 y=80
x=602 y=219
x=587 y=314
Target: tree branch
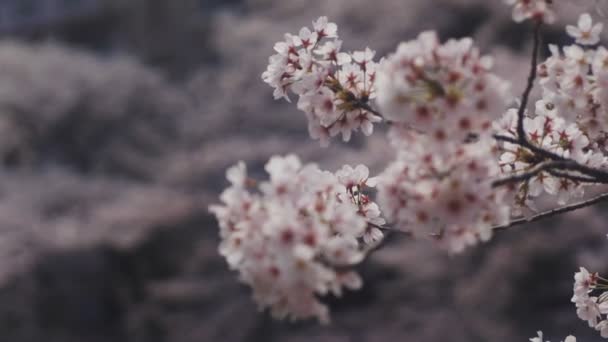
x=367 y=107
x=553 y=212
x=574 y=178
x=522 y=177
x=553 y=164
x=529 y=86
x=555 y=168
x=526 y=144
x=522 y=220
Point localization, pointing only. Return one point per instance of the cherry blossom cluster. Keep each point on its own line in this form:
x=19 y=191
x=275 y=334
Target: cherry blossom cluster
x=591 y=299
x=295 y=237
x=575 y=82
x=448 y=195
x=334 y=87
x=540 y=338
x=569 y=121
x=445 y=90
x=540 y=10
x=292 y=237
x=442 y=99
x=549 y=131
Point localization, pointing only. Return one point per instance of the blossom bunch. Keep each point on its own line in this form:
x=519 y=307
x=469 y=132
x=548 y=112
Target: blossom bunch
x=549 y=131
x=291 y=237
x=334 y=87
x=441 y=99
x=448 y=195
x=540 y=10
x=569 y=121
x=445 y=90
x=589 y=307
x=575 y=82
x=465 y=164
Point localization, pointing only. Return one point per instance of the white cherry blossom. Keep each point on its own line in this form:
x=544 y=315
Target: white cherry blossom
x=585 y=33
x=448 y=196
x=553 y=134
x=334 y=88
x=295 y=237
x=445 y=90
x=591 y=300
x=532 y=9
x=290 y=238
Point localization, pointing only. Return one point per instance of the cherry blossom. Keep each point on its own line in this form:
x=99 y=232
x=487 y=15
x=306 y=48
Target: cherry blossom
x=334 y=87
x=589 y=308
x=324 y=28
x=445 y=90
x=575 y=82
x=290 y=237
x=569 y=121
x=449 y=196
x=460 y=168
x=602 y=327
x=532 y=9
x=585 y=33
x=355 y=181
x=552 y=133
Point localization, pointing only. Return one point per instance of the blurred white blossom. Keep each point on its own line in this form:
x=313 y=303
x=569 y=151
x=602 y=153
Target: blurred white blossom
x=290 y=239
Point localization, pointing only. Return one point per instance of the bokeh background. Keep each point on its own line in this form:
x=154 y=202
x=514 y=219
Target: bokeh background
x=117 y=121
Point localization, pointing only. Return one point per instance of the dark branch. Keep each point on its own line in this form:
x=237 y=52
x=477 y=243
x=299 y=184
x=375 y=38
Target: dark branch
x=574 y=178
x=551 y=163
x=524 y=220
x=522 y=177
x=553 y=212
x=526 y=144
x=367 y=107
x=557 y=168
x=529 y=86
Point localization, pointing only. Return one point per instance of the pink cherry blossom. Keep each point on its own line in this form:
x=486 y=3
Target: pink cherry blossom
x=585 y=33
x=290 y=238
x=532 y=9
x=445 y=90
x=333 y=87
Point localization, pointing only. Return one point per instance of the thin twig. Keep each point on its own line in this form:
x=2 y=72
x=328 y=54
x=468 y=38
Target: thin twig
x=521 y=111
x=556 y=168
x=529 y=86
x=367 y=107
x=594 y=175
x=523 y=220
x=526 y=144
x=554 y=164
x=553 y=212
x=522 y=177
x=574 y=178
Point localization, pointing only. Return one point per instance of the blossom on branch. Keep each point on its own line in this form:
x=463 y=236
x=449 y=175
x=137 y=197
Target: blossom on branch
x=546 y=130
x=591 y=308
x=576 y=82
x=294 y=237
x=334 y=87
x=447 y=195
x=540 y=10
x=570 y=121
x=460 y=166
x=445 y=90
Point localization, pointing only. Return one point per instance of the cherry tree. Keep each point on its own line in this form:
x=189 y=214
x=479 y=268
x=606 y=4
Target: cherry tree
x=468 y=163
